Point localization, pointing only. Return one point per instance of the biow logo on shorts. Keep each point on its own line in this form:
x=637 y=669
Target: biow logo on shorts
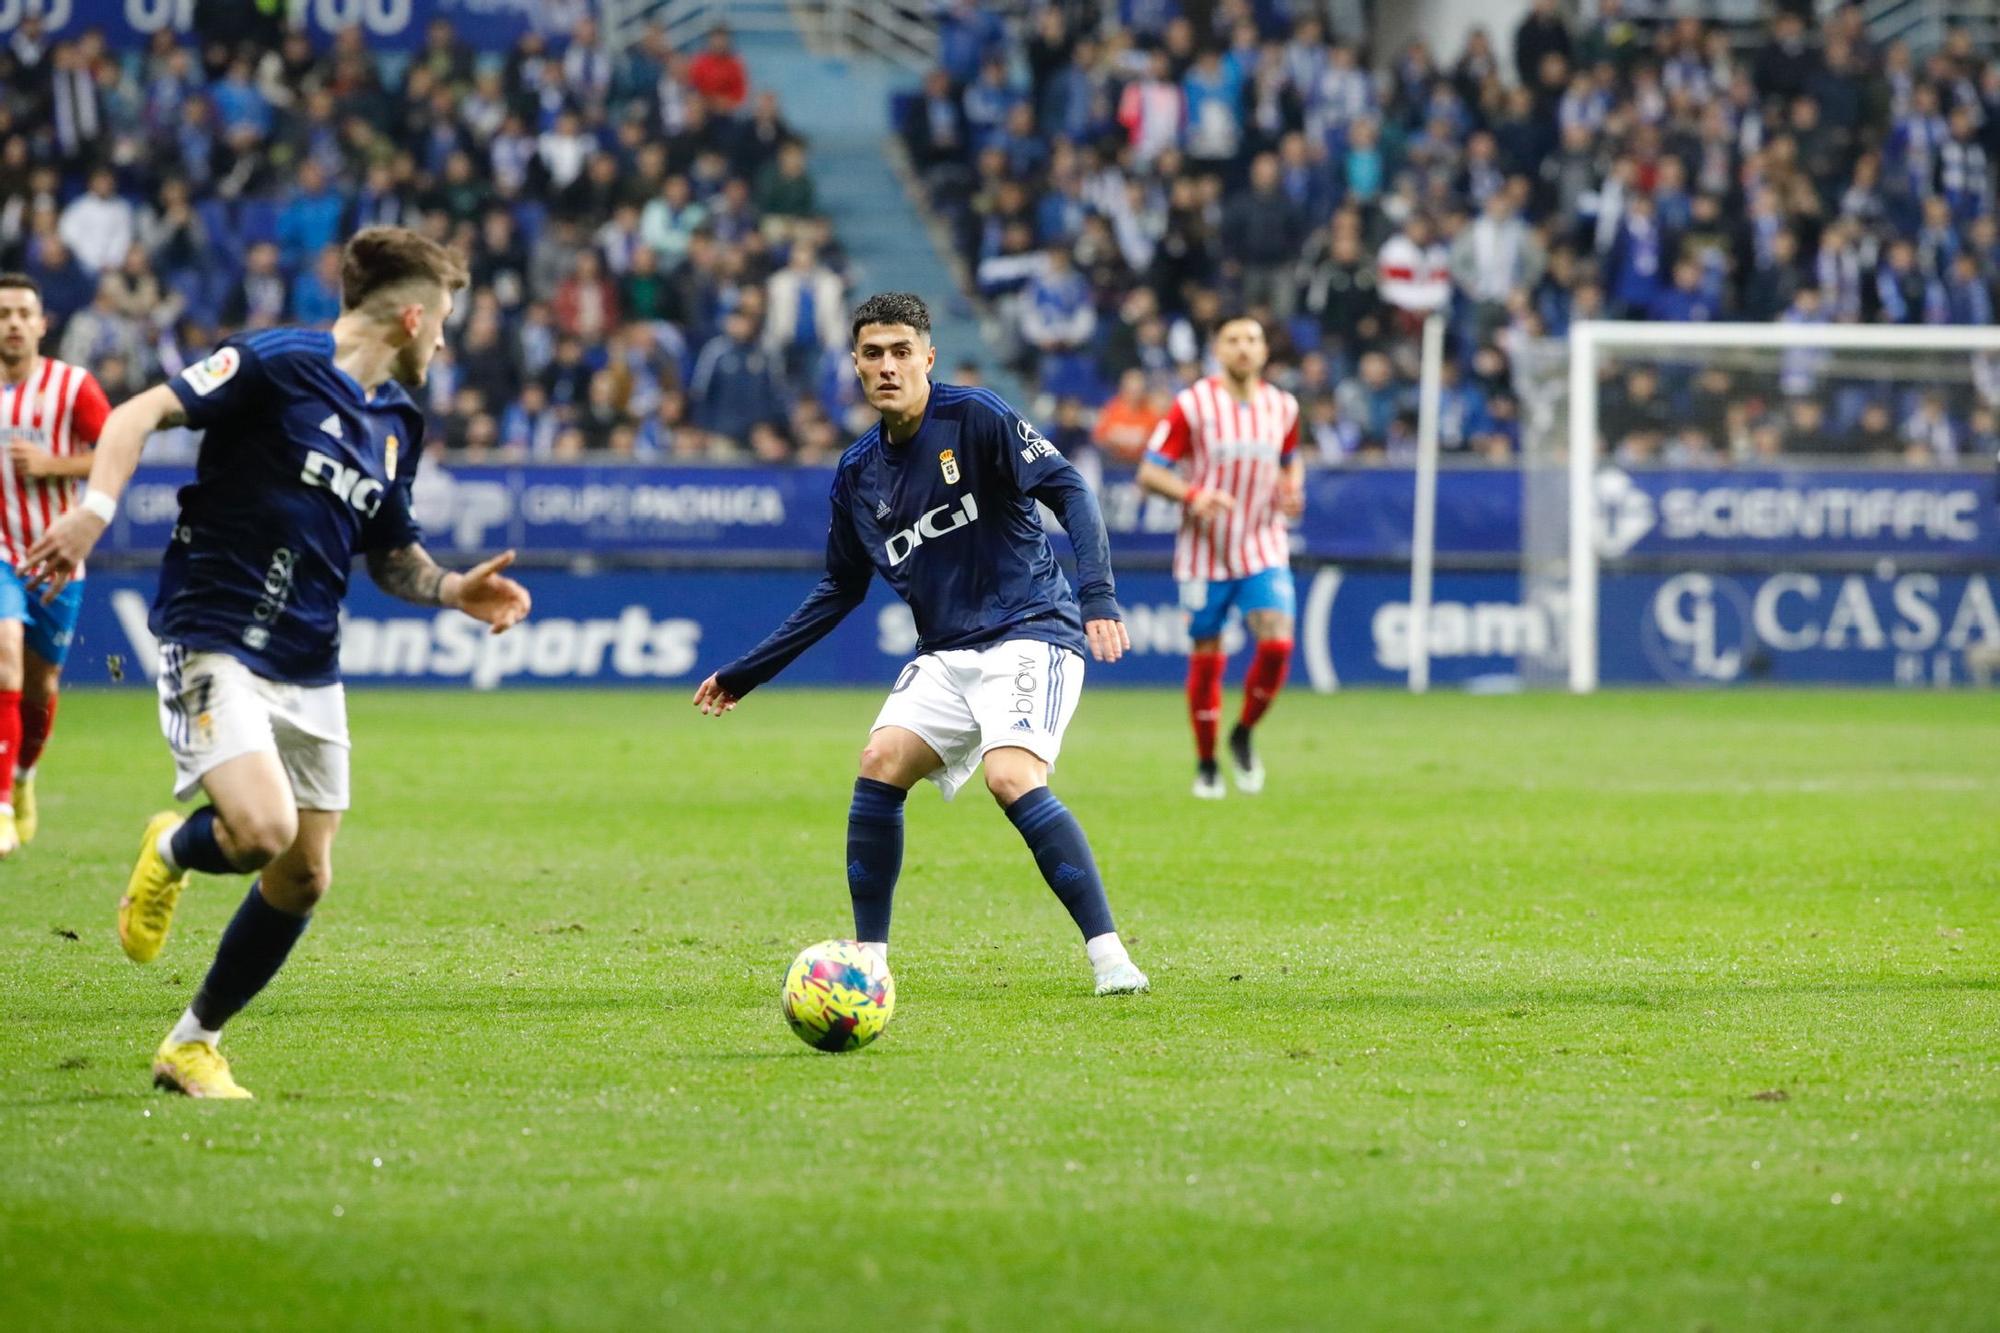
x=1027 y=683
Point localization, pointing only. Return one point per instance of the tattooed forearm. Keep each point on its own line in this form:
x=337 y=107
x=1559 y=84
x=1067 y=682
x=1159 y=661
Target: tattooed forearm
x=408 y=572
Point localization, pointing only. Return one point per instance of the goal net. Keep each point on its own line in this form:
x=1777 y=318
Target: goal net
x=1793 y=502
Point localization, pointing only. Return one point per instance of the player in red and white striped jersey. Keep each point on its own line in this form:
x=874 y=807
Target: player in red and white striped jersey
x=1238 y=440
x=50 y=414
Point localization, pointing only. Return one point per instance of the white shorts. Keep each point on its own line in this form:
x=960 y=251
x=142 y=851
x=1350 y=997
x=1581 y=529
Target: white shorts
x=967 y=701
x=214 y=709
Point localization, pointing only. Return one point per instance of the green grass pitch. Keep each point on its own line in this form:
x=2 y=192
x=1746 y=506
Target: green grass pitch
x=1633 y=1012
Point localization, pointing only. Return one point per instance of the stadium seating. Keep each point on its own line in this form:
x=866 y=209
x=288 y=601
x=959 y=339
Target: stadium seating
x=1630 y=167
x=582 y=154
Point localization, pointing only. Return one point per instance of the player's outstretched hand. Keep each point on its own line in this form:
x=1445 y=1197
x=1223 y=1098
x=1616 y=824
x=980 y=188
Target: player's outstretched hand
x=54 y=559
x=1108 y=639
x=486 y=594
x=712 y=699
x=1206 y=505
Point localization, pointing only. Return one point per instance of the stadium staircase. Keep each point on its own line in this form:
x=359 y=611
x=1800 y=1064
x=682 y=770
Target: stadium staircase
x=1924 y=23
x=836 y=65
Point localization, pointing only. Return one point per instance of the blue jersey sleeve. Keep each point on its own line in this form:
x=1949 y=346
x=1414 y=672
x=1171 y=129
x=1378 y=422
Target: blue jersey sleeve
x=838 y=591
x=1065 y=491
x=394 y=525
x=1039 y=471
x=228 y=383
x=1025 y=455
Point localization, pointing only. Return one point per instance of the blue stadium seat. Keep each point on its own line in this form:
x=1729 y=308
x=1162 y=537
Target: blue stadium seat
x=530 y=217
x=220 y=223
x=258 y=221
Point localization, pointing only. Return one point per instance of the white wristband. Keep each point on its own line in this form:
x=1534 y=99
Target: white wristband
x=100 y=504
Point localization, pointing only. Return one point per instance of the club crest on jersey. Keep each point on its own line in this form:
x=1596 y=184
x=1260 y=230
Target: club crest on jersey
x=1035 y=444
x=208 y=376
x=901 y=544
x=948 y=464
x=389 y=457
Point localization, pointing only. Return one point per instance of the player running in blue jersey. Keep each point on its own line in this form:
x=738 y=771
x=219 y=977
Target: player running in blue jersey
x=310 y=447
x=940 y=498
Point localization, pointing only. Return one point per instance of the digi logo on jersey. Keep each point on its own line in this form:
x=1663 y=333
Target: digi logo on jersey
x=902 y=544
x=349 y=484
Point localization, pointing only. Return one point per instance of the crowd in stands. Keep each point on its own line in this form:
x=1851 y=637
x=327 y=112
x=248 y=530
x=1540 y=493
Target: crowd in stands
x=1116 y=183
x=651 y=275
x=652 y=278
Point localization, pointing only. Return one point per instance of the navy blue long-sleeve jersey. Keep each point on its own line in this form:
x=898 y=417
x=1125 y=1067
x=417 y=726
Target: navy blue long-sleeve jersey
x=949 y=519
x=299 y=472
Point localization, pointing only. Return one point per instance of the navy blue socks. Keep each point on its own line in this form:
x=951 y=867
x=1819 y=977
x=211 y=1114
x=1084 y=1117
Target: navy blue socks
x=1063 y=853
x=193 y=845
x=874 y=856
x=254 y=946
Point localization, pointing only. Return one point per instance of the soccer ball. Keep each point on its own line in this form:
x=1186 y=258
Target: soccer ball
x=838 y=996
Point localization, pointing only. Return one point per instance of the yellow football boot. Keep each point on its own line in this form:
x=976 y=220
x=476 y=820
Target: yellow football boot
x=196 y=1069
x=26 y=818
x=146 y=911
x=10 y=836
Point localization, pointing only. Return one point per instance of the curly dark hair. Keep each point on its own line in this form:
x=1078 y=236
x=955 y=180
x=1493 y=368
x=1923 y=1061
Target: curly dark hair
x=893 y=308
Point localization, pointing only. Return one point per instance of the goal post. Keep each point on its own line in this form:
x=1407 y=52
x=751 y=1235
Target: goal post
x=1423 y=526
x=1849 y=395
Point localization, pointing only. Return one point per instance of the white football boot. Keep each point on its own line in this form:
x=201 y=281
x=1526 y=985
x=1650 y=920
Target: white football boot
x=1208 y=783
x=1122 y=978
x=1243 y=762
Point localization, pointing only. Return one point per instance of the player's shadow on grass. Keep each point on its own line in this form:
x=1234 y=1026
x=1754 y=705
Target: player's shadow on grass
x=778 y=1052
x=513 y=1003
x=140 y=1091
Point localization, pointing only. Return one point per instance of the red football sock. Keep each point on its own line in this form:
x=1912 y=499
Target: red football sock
x=38 y=719
x=1204 y=693
x=1266 y=678
x=10 y=742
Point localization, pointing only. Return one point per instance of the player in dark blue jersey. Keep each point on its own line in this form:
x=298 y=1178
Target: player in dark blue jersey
x=311 y=441
x=940 y=499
